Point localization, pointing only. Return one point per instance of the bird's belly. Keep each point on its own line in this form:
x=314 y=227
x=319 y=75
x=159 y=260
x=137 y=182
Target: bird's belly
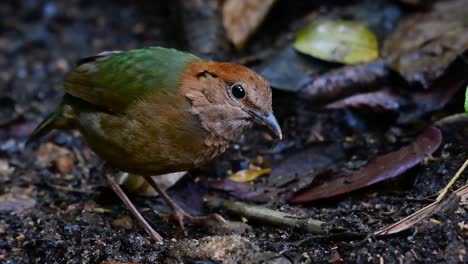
x=139 y=147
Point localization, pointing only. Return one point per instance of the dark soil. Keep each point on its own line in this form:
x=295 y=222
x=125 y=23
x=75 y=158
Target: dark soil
x=62 y=213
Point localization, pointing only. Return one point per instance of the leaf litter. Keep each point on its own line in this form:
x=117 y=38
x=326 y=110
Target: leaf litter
x=381 y=168
x=62 y=36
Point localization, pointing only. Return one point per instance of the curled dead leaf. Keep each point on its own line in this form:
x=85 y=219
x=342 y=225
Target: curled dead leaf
x=426 y=43
x=381 y=100
x=242 y=17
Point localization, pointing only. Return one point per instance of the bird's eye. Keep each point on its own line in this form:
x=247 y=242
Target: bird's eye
x=238 y=91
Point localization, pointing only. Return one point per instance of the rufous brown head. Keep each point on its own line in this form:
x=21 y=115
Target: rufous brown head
x=228 y=97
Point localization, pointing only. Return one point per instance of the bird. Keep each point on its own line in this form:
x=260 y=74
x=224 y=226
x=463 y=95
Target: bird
x=156 y=110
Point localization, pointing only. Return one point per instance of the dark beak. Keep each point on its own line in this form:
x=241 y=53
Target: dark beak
x=268 y=120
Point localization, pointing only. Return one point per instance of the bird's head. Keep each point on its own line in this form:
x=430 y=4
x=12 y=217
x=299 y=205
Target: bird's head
x=227 y=97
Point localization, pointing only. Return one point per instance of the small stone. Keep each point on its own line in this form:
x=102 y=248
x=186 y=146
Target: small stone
x=62 y=65
x=20 y=238
x=65 y=164
x=124 y=222
x=3 y=227
x=5 y=168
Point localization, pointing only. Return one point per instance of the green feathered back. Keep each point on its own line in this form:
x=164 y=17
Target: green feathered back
x=114 y=79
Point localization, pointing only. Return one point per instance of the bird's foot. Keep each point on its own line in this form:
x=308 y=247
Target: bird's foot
x=179 y=215
x=181 y=218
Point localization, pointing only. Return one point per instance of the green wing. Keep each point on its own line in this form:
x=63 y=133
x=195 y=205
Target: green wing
x=114 y=79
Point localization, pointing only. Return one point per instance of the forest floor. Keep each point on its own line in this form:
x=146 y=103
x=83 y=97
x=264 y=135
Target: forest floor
x=56 y=208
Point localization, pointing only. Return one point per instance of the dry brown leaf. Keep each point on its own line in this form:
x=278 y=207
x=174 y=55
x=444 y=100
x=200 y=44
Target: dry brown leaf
x=383 y=167
x=242 y=17
x=426 y=43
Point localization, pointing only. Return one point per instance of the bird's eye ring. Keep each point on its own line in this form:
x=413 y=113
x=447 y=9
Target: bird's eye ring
x=238 y=91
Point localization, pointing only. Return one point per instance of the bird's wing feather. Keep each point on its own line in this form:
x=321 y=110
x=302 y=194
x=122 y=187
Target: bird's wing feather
x=114 y=79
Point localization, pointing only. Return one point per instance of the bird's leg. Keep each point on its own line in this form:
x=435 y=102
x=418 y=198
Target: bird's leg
x=154 y=236
x=178 y=214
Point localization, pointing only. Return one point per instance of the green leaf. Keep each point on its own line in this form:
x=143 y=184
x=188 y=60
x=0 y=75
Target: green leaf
x=466 y=100
x=338 y=41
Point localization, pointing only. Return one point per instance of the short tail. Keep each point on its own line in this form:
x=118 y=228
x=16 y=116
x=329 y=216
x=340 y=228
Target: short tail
x=49 y=123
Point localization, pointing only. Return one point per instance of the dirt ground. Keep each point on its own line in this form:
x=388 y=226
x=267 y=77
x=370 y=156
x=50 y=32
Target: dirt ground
x=56 y=208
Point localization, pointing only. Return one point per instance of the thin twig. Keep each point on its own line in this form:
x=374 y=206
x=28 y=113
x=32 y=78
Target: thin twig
x=446 y=204
x=267 y=216
x=69 y=189
x=452 y=181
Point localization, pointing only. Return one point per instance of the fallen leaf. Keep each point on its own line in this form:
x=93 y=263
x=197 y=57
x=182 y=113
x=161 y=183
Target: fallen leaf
x=345 y=81
x=380 y=101
x=422 y=102
x=426 y=43
x=382 y=168
x=101 y=210
x=249 y=174
x=290 y=71
x=466 y=100
x=302 y=165
x=338 y=41
x=243 y=190
x=228 y=185
x=241 y=18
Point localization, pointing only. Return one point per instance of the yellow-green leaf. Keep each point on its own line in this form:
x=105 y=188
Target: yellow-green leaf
x=338 y=41
x=249 y=174
x=466 y=100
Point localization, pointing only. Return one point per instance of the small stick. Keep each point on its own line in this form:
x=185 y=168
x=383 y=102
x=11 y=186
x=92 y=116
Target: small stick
x=452 y=181
x=69 y=189
x=267 y=216
x=411 y=220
